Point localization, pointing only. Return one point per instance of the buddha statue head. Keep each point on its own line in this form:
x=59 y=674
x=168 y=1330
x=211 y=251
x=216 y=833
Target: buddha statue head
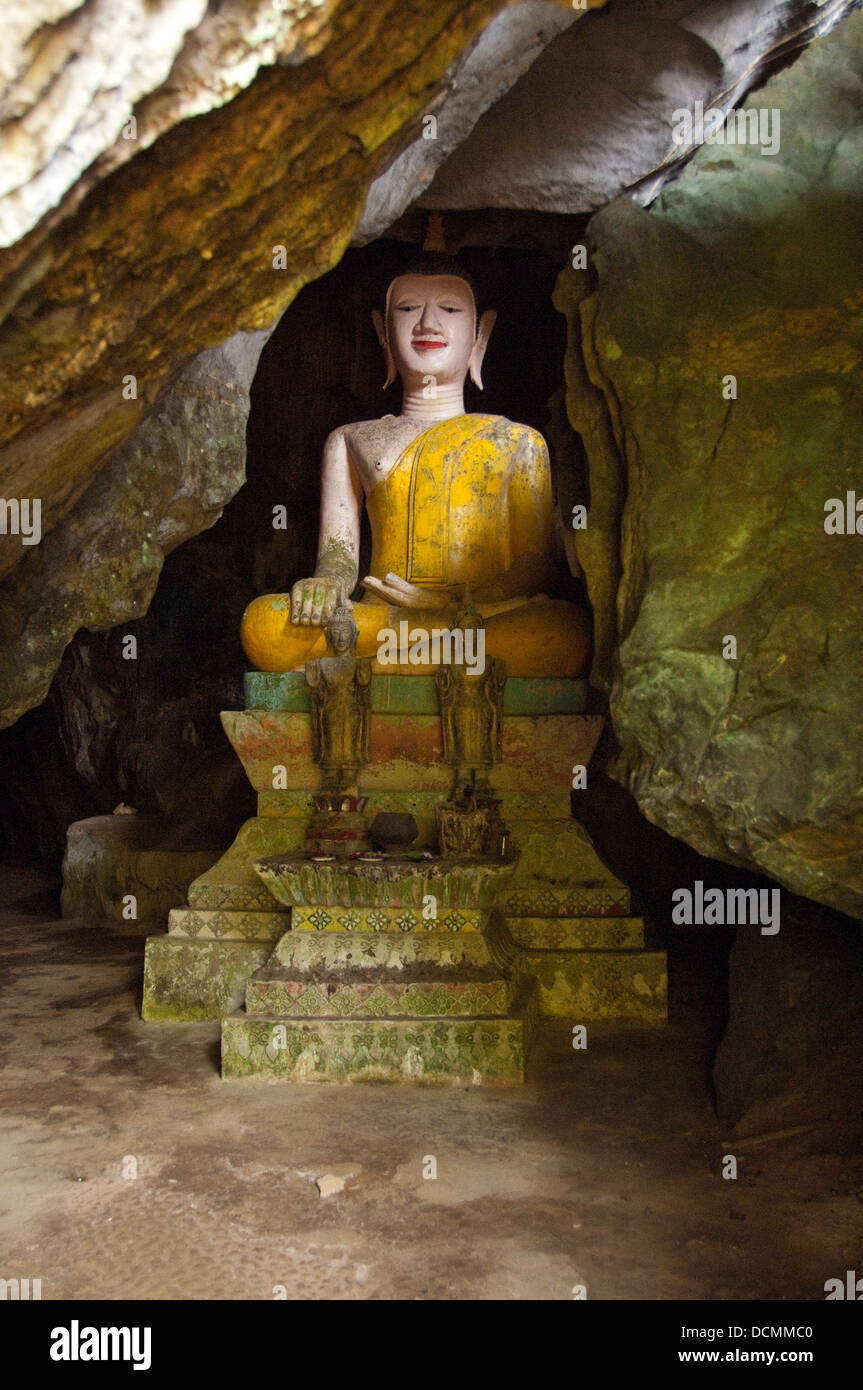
x=430 y=327
x=341 y=632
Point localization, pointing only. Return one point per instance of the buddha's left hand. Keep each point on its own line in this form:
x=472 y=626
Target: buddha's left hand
x=404 y=595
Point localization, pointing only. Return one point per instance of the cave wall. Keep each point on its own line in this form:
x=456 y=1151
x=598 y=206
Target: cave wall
x=73 y=73
x=708 y=512
x=592 y=116
x=168 y=481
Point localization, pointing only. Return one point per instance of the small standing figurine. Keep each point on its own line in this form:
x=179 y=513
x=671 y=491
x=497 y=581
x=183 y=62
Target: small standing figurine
x=471 y=707
x=341 y=701
x=471 y=712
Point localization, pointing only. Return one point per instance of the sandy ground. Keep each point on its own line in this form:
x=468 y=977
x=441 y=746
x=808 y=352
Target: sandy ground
x=604 y=1170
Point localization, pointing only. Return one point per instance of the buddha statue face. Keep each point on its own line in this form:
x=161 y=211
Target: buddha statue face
x=431 y=329
x=342 y=632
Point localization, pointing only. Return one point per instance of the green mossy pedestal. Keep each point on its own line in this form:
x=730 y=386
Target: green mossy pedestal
x=563 y=919
x=390 y=975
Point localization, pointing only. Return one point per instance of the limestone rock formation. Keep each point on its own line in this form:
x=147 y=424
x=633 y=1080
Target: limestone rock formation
x=714 y=374
x=593 y=115
x=73 y=74
x=501 y=54
x=169 y=481
x=138 y=238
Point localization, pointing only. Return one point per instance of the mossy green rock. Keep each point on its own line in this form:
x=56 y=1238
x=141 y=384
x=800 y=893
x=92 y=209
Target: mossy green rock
x=707 y=513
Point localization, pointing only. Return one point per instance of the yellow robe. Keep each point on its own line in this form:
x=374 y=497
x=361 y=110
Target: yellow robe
x=469 y=501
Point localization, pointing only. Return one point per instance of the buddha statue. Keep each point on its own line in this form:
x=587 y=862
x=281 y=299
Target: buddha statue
x=340 y=683
x=471 y=708
x=452 y=498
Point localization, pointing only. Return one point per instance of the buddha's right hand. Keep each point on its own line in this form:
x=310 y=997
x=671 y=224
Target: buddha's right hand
x=313 y=600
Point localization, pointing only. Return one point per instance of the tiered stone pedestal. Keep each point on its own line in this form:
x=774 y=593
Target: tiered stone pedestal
x=562 y=919
x=369 y=986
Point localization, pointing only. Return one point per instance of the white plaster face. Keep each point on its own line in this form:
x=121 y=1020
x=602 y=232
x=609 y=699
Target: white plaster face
x=431 y=327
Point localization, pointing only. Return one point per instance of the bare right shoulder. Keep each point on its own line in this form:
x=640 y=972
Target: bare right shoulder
x=355 y=436
x=336 y=438
x=370 y=441
x=361 y=432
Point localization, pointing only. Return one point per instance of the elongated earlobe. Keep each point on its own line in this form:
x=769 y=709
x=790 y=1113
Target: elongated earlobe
x=380 y=329
x=486 y=324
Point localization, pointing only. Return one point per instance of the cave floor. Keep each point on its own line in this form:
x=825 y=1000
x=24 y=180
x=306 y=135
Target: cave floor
x=604 y=1170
